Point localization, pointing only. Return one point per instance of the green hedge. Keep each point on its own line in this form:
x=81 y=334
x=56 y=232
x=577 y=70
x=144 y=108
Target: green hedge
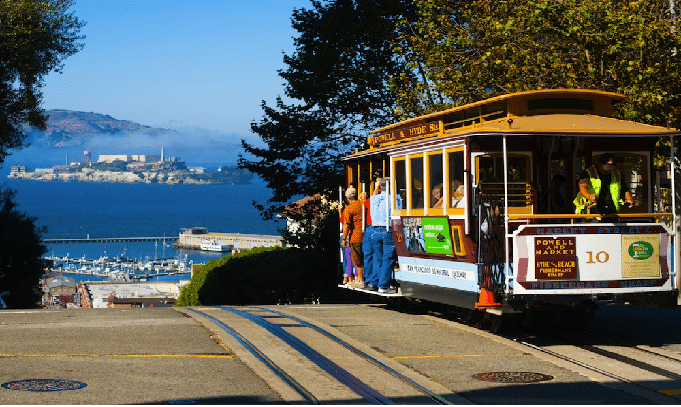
x=262 y=276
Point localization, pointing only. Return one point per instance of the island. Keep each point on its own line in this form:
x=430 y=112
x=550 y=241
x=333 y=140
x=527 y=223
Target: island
x=148 y=169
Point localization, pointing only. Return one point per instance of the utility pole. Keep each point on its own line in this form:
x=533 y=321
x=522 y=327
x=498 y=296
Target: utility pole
x=677 y=176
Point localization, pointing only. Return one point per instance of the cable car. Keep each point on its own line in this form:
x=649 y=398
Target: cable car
x=483 y=213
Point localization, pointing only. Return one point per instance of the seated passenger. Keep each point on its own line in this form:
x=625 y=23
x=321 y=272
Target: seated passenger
x=436 y=197
x=458 y=192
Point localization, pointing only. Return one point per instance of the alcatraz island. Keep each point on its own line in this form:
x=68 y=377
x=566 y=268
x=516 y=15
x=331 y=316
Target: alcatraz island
x=150 y=169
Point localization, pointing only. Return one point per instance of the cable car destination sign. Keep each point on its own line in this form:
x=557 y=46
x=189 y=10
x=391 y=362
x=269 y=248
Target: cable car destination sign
x=420 y=130
x=555 y=258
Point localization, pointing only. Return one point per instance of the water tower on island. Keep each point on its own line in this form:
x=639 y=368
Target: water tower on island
x=87 y=156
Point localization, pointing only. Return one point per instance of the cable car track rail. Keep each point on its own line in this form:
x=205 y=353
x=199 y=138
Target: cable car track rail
x=351 y=375
x=369 y=358
x=608 y=367
x=620 y=342
x=367 y=393
x=263 y=358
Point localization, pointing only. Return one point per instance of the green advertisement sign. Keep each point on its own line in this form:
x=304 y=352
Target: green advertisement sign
x=640 y=256
x=428 y=235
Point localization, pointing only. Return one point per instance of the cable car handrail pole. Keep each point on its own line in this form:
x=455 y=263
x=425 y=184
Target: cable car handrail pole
x=364 y=209
x=340 y=206
x=673 y=170
x=677 y=249
x=507 y=267
x=388 y=205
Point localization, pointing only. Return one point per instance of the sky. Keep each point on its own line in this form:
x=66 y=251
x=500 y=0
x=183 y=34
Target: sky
x=175 y=64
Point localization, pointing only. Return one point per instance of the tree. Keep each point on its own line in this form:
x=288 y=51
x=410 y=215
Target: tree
x=464 y=51
x=35 y=38
x=21 y=251
x=337 y=80
x=316 y=224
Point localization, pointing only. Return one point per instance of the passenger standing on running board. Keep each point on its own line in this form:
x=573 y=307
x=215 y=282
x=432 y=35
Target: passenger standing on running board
x=370 y=277
x=382 y=239
x=353 y=234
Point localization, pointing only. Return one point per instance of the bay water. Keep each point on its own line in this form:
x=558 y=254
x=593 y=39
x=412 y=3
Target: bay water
x=106 y=210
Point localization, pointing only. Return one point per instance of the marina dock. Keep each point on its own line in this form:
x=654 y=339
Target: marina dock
x=190 y=238
x=119 y=268
x=111 y=240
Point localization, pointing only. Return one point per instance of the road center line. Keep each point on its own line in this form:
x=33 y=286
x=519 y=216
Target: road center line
x=10 y=355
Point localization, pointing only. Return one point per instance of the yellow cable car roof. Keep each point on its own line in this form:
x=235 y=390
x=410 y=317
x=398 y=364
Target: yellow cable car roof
x=509 y=98
x=538 y=112
x=543 y=125
x=567 y=124
x=515 y=114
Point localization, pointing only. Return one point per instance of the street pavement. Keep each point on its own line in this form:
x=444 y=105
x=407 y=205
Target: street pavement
x=164 y=356
x=124 y=356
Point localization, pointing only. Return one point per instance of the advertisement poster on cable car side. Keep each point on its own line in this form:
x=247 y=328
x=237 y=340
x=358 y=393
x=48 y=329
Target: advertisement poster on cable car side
x=427 y=235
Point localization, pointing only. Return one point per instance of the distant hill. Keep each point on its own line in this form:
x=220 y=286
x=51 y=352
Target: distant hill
x=69 y=133
x=69 y=128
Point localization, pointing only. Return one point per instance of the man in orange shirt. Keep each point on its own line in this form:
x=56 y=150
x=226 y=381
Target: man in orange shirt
x=353 y=234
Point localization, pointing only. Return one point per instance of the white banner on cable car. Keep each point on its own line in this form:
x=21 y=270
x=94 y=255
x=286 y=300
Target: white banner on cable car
x=571 y=258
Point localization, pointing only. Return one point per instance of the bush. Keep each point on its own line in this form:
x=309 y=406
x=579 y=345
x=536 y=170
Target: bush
x=262 y=276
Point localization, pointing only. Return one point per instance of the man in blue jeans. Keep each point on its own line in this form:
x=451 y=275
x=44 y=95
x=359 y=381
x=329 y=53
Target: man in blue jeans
x=370 y=277
x=382 y=239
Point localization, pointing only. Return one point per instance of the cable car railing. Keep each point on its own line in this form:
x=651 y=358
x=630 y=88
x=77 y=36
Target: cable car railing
x=489 y=211
x=521 y=195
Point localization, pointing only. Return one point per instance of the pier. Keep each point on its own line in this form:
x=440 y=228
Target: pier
x=191 y=238
x=111 y=240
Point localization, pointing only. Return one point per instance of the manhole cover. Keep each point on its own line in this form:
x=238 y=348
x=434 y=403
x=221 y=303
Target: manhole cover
x=512 y=377
x=44 y=385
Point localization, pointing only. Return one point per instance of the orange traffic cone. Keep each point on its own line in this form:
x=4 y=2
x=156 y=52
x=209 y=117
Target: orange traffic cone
x=486 y=300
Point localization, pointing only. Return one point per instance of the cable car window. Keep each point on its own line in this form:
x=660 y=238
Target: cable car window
x=634 y=171
x=364 y=176
x=416 y=170
x=456 y=177
x=400 y=176
x=490 y=178
x=352 y=175
x=376 y=174
x=435 y=179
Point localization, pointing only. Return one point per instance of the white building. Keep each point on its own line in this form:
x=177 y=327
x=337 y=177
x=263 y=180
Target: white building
x=109 y=158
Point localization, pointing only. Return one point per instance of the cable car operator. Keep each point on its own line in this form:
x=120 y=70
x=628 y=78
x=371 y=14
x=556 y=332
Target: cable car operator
x=602 y=184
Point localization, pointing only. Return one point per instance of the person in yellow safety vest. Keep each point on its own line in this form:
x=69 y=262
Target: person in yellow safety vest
x=602 y=184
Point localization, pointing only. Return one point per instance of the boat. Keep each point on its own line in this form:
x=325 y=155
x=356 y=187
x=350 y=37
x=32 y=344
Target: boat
x=212 y=246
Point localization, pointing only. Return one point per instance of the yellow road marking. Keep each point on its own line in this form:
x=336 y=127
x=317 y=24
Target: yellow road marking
x=61 y=355
x=672 y=392
x=454 y=356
